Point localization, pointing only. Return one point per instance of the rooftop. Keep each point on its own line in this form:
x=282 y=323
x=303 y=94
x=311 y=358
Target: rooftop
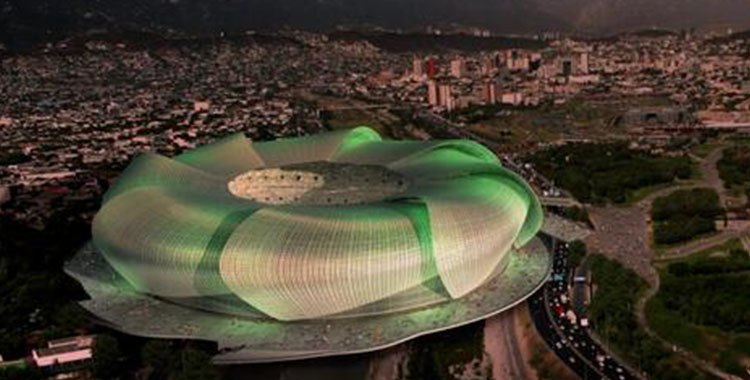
x=318 y=183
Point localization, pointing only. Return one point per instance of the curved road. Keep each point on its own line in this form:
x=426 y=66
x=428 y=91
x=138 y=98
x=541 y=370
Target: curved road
x=571 y=342
x=577 y=349
x=710 y=178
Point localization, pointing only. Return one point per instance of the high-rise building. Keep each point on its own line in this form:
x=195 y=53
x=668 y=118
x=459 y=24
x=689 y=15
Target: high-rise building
x=498 y=60
x=431 y=69
x=583 y=62
x=417 y=67
x=490 y=91
x=433 y=95
x=516 y=61
x=445 y=95
x=457 y=67
x=488 y=67
x=567 y=67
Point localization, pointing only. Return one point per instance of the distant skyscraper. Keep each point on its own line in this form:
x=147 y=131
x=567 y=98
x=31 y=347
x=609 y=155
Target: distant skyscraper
x=583 y=62
x=445 y=93
x=489 y=66
x=567 y=67
x=417 y=67
x=433 y=96
x=457 y=67
x=490 y=92
x=516 y=60
x=201 y=106
x=431 y=69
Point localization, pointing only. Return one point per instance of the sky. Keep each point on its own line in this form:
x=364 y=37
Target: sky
x=37 y=19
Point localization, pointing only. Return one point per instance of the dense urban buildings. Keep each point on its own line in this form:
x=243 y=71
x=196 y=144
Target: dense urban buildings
x=637 y=120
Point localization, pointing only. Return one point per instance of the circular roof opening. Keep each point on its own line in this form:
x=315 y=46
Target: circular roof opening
x=318 y=183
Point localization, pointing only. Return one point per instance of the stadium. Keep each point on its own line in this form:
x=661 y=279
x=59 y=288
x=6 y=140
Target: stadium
x=336 y=243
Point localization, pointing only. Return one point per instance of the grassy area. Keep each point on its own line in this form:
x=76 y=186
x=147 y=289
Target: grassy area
x=717 y=251
x=612 y=312
x=697 y=294
x=345 y=114
x=351 y=118
x=663 y=249
x=611 y=172
x=517 y=130
x=737 y=191
x=704 y=149
x=734 y=167
x=638 y=195
x=727 y=351
x=581 y=118
x=685 y=215
x=577 y=119
x=575 y=213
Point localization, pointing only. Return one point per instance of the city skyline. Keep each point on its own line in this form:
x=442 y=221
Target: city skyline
x=243 y=216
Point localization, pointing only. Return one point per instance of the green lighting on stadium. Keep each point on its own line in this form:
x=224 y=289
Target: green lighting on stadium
x=334 y=226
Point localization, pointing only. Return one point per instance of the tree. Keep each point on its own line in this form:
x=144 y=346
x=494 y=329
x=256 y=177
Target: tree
x=106 y=357
x=192 y=364
x=69 y=316
x=20 y=373
x=577 y=251
x=157 y=354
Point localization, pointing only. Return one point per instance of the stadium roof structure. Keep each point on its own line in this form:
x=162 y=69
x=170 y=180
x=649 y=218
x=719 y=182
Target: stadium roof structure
x=335 y=243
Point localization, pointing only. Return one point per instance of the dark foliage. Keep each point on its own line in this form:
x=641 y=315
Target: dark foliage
x=612 y=312
x=13 y=158
x=106 y=352
x=577 y=214
x=718 y=300
x=679 y=231
x=607 y=172
x=37 y=295
x=734 y=166
x=703 y=203
x=433 y=355
x=685 y=214
x=577 y=252
x=738 y=261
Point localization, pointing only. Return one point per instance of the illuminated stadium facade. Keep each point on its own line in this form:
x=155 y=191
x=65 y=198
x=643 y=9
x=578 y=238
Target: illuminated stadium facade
x=322 y=245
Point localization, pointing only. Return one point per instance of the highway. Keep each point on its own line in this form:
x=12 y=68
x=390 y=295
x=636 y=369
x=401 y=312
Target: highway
x=569 y=340
x=549 y=306
x=454 y=130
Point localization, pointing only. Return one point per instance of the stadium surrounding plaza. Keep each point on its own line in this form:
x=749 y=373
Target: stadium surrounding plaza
x=322 y=245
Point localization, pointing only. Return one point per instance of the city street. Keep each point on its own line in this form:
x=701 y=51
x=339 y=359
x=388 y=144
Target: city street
x=571 y=342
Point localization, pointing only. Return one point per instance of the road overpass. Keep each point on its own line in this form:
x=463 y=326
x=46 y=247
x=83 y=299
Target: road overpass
x=559 y=202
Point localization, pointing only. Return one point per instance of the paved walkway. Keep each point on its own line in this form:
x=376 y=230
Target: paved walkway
x=699 y=245
x=622 y=233
x=709 y=178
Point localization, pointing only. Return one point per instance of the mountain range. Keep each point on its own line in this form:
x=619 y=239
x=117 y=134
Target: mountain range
x=24 y=22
